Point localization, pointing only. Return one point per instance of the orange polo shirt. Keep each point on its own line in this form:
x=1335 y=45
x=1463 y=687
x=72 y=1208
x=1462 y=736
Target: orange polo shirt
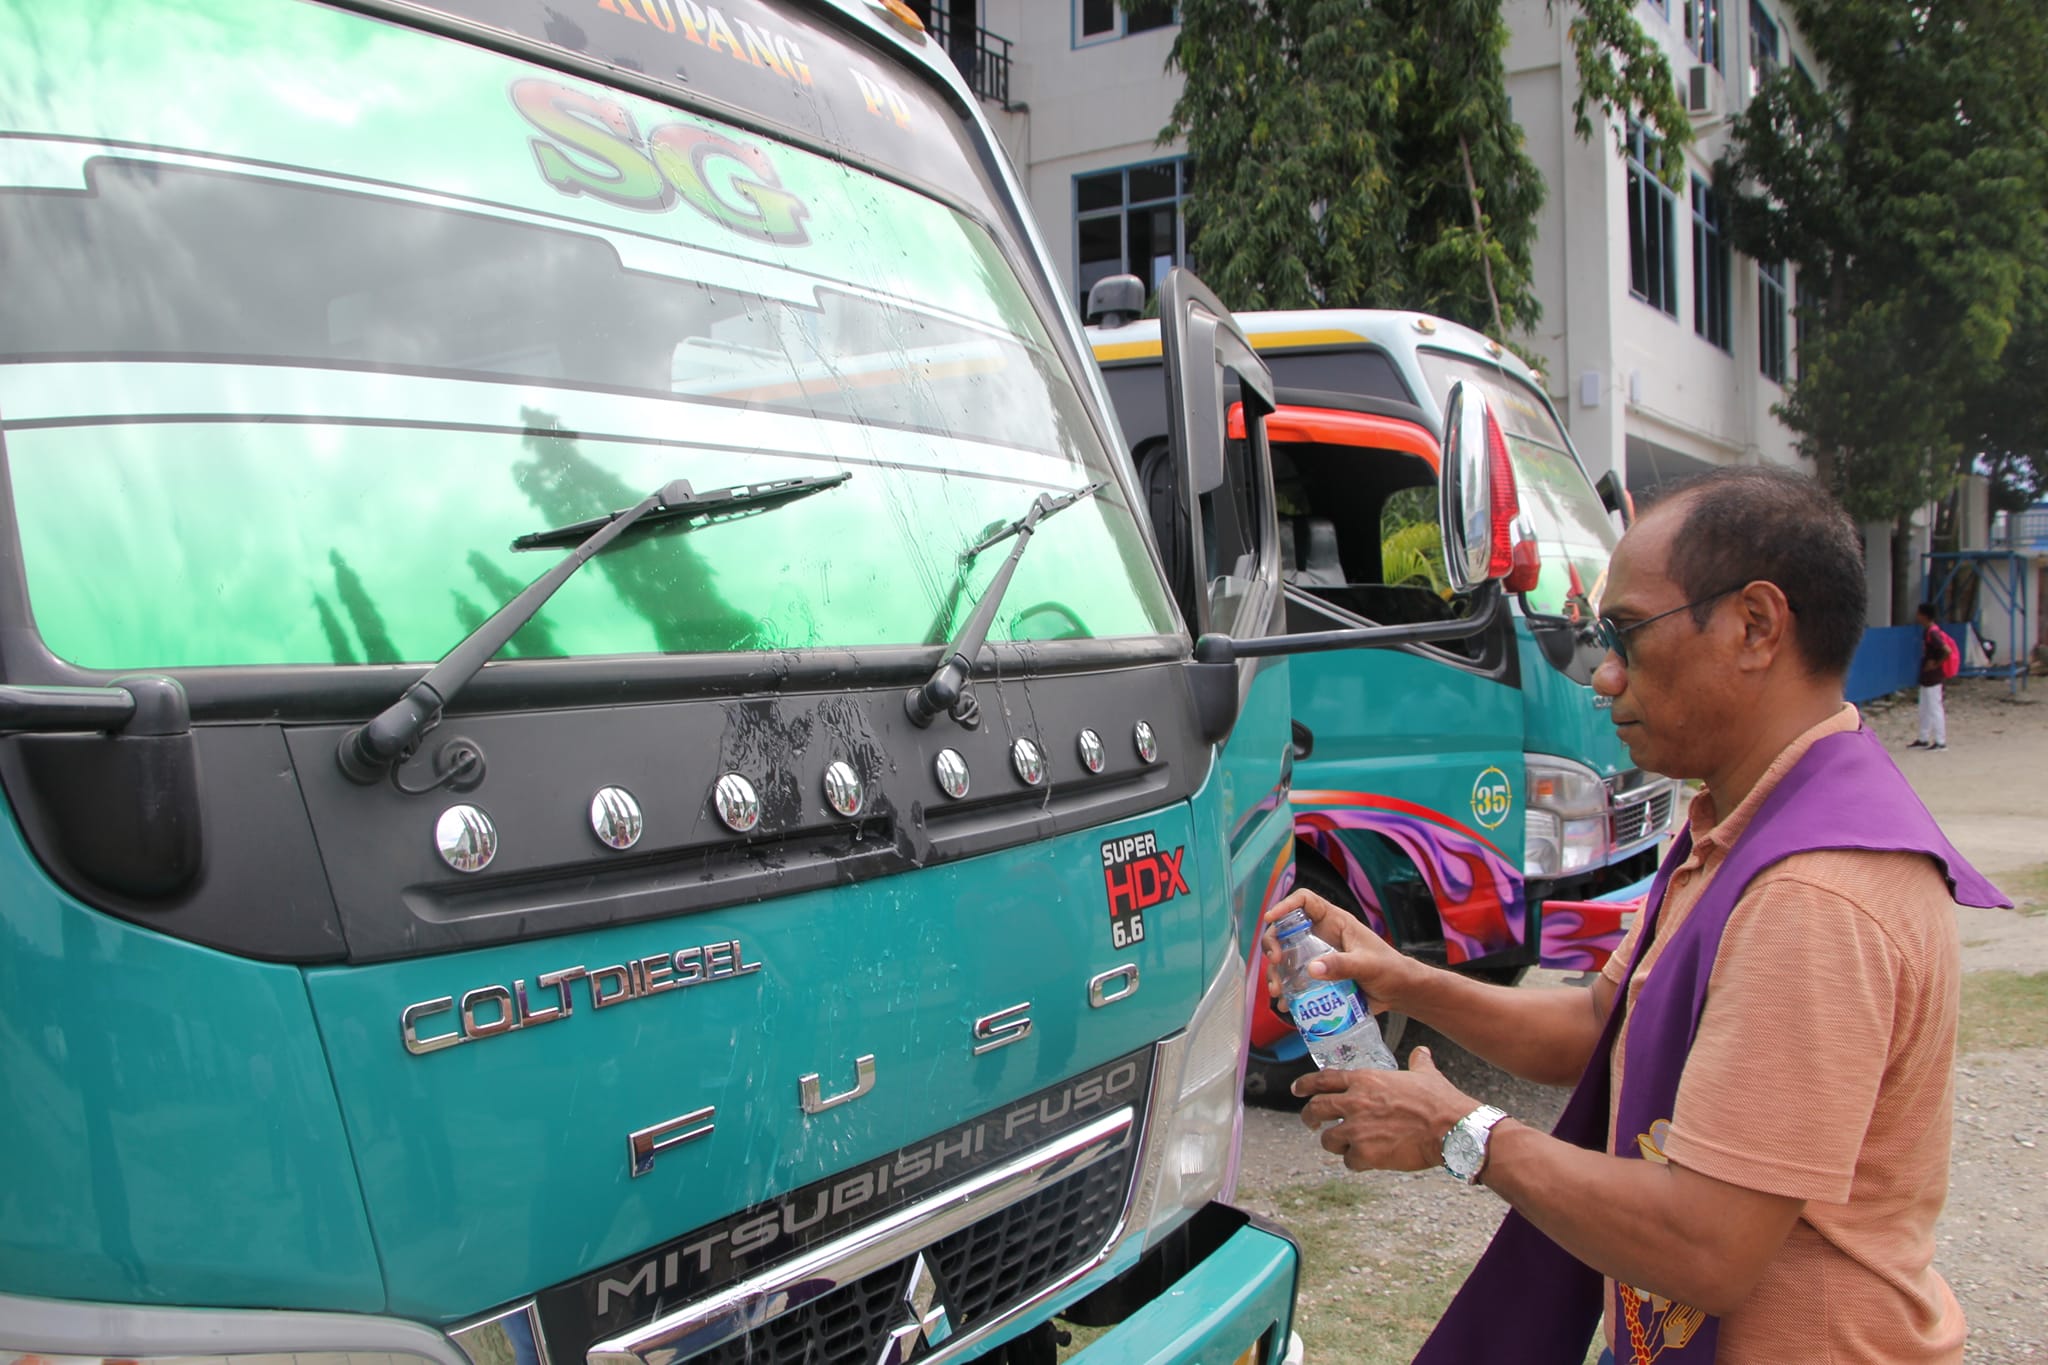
x=1823 y=1070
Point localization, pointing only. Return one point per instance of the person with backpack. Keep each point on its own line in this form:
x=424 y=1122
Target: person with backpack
x=1939 y=661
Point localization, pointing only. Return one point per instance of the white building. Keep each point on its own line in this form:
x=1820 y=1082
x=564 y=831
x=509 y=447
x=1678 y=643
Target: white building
x=1663 y=350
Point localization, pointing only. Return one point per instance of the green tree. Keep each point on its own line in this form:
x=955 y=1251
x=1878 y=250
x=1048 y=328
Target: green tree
x=1911 y=191
x=378 y=646
x=1360 y=153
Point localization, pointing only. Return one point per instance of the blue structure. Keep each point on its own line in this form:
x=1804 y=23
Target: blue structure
x=2000 y=580
x=1888 y=660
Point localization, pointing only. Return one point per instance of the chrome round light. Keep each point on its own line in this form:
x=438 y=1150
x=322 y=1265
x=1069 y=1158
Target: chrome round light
x=842 y=787
x=615 y=817
x=951 y=770
x=1093 y=758
x=1147 y=742
x=467 y=838
x=1028 y=761
x=737 y=803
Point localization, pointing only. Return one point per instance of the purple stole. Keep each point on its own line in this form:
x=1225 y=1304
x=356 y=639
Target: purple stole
x=1530 y=1302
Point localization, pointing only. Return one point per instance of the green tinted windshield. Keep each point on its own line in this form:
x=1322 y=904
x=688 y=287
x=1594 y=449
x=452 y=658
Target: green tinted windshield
x=1574 y=535
x=305 y=316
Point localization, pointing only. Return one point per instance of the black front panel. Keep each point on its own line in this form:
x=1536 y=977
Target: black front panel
x=297 y=863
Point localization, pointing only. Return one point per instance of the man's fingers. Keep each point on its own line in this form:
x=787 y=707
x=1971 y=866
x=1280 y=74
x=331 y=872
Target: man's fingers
x=1314 y=906
x=1320 y=1083
x=1420 y=1060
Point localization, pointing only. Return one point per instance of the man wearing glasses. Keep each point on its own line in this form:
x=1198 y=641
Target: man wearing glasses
x=1752 y=1163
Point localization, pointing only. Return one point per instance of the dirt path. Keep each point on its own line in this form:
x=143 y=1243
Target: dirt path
x=1385 y=1252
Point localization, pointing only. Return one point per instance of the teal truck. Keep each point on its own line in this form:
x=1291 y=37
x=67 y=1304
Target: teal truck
x=600 y=760
x=1469 y=798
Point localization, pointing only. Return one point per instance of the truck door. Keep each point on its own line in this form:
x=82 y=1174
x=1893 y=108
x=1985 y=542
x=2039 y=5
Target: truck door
x=1213 y=508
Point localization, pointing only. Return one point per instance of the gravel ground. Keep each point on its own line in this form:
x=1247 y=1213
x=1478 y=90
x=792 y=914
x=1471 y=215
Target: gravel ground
x=1385 y=1251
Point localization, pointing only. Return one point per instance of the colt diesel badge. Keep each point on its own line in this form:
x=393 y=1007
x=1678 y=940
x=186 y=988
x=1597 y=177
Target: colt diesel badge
x=490 y=1010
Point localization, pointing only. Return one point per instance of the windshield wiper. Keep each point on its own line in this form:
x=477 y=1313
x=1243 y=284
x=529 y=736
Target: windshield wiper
x=946 y=690
x=370 y=751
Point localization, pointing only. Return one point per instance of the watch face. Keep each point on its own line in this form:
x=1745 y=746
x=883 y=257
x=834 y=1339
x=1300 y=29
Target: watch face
x=1462 y=1153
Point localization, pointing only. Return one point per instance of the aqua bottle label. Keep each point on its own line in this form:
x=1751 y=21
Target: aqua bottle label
x=1327 y=1011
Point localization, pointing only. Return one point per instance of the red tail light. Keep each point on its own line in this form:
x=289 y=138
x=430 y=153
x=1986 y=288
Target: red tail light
x=1502 y=563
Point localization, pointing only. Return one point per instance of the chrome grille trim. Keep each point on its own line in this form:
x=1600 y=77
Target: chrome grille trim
x=742 y=1308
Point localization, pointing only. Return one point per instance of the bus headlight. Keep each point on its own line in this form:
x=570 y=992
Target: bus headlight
x=1188 y=1152
x=1565 y=822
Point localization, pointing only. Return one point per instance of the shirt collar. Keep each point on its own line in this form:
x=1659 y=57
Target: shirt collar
x=1713 y=831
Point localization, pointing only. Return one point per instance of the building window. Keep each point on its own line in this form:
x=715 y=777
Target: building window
x=1770 y=320
x=1652 y=227
x=1097 y=21
x=1703 y=30
x=1764 y=52
x=1805 y=316
x=1131 y=221
x=1712 y=262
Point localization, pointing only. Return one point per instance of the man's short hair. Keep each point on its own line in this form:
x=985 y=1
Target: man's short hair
x=1753 y=523
x=1926 y=609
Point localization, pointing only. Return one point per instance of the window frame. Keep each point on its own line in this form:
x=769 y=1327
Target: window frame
x=1713 y=269
x=1183 y=189
x=1703 y=31
x=1764 y=62
x=1652 y=282
x=1771 y=358
x=1119 y=29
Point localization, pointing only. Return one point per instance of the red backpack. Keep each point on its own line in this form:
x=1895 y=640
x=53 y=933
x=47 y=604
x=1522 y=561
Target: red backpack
x=1951 y=657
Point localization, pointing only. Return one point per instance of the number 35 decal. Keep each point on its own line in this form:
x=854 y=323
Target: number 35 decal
x=1492 y=798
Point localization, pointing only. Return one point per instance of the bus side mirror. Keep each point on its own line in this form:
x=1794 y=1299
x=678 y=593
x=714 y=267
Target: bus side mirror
x=1478 y=506
x=1616 y=499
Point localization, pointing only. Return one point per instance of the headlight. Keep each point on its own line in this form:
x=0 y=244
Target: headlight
x=1565 y=824
x=64 y=1332
x=1188 y=1150
x=1564 y=787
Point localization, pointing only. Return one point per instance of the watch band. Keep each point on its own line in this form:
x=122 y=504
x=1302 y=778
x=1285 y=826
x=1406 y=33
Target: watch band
x=1464 y=1147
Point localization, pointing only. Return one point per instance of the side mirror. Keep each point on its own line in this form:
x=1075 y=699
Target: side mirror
x=1115 y=301
x=1616 y=499
x=1484 y=537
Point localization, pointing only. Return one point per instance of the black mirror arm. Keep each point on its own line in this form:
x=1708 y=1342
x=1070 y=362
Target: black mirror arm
x=1489 y=598
x=1212 y=673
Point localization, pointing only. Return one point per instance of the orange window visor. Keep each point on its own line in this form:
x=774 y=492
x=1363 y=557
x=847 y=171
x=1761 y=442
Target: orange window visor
x=1328 y=426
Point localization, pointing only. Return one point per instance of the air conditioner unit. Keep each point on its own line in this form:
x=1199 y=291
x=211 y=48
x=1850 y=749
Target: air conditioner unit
x=1699 y=91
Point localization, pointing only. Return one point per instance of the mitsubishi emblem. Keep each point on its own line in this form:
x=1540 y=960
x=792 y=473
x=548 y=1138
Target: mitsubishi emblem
x=928 y=1327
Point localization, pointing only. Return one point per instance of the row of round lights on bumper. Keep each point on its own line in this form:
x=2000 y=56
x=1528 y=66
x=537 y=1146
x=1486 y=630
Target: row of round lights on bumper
x=468 y=839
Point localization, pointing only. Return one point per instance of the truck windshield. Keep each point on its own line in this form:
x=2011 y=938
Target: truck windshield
x=282 y=390
x=1573 y=532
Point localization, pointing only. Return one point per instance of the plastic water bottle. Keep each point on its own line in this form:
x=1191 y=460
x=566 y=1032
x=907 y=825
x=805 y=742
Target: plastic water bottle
x=1330 y=1013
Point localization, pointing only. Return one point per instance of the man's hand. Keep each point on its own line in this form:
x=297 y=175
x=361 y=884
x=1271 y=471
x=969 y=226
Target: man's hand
x=1362 y=956
x=1385 y=1120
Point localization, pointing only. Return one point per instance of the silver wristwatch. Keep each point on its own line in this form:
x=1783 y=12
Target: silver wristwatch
x=1465 y=1144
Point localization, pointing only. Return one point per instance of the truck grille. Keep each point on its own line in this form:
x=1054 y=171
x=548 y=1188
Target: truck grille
x=1639 y=820
x=982 y=1270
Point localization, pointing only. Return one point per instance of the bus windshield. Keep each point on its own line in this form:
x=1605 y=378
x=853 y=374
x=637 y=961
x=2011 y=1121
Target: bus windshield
x=283 y=390
x=1574 y=534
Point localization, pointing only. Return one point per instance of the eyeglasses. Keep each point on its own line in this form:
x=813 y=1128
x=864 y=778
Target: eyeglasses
x=1612 y=635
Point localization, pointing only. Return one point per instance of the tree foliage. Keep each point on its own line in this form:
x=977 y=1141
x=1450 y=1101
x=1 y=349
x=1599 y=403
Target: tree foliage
x=1360 y=153
x=1911 y=191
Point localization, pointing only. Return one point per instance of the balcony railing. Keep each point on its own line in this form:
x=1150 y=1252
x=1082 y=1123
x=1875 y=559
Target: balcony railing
x=2026 y=531
x=983 y=57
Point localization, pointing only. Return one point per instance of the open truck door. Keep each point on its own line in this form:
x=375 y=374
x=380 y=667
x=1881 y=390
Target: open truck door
x=1211 y=496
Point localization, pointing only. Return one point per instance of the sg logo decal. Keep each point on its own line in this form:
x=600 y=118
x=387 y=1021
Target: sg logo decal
x=1491 y=798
